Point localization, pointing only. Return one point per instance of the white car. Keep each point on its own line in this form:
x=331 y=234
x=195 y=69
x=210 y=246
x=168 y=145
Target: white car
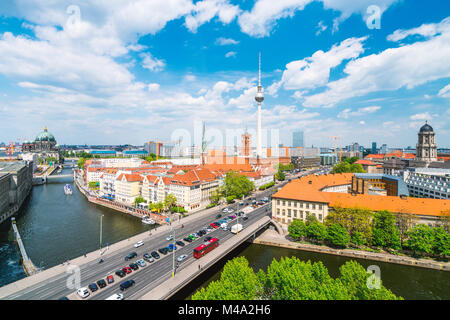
x=138 y=244
x=115 y=296
x=141 y=263
x=230 y=210
x=83 y=292
x=169 y=238
x=182 y=257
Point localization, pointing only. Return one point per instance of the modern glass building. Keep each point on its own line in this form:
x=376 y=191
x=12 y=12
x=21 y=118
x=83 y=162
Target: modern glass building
x=297 y=139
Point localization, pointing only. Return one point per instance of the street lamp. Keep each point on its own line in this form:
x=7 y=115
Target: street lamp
x=101 y=229
x=173 y=253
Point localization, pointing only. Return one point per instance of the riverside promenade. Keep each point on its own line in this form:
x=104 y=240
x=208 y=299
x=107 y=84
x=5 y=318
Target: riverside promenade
x=272 y=238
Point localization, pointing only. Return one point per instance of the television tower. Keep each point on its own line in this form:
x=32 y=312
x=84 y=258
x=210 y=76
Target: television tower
x=259 y=98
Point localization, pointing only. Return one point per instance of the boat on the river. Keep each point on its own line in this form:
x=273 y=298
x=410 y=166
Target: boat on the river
x=67 y=189
x=147 y=220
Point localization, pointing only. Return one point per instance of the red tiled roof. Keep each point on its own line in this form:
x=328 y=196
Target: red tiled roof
x=366 y=162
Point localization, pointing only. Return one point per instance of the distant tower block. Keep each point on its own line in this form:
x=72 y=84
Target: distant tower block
x=246 y=143
x=259 y=98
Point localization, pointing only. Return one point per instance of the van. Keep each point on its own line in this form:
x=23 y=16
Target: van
x=224 y=226
x=115 y=296
x=126 y=284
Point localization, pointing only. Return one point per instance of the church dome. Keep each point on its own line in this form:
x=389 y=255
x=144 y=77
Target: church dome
x=426 y=128
x=45 y=136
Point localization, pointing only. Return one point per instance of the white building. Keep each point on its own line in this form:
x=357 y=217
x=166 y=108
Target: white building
x=428 y=182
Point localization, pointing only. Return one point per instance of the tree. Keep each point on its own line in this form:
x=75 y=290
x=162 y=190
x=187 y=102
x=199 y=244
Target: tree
x=354 y=220
x=297 y=229
x=280 y=175
x=337 y=235
x=420 y=239
x=355 y=278
x=238 y=281
x=80 y=163
x=405 y=221
x=441 y=243
x=444 y=220
x=358 y=239
x=138 y=200
x=236 y=184
x=345 y=167
x=169 y=201
x=385 y=232
x=93 y=184
x=316 y=231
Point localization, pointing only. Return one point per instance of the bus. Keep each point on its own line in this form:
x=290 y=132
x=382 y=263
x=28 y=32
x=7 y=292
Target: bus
x=206 y=247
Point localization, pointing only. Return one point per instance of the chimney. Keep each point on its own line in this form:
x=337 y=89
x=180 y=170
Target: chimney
x=403 y=197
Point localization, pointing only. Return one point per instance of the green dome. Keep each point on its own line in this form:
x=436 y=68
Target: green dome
x=45 y=136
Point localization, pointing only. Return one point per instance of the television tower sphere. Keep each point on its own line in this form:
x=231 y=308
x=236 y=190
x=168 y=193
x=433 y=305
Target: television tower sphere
x=259 y=96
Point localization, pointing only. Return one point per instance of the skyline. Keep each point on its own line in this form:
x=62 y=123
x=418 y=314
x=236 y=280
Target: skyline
x=102 y=79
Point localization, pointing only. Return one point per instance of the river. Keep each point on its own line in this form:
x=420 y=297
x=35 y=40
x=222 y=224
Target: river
x=55 y=227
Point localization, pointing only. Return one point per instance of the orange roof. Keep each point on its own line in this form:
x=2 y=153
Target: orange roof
x=91 y=169
x=374 y=156
x=193 y=177
x=366 y=162
x=444 y=158
x=308 y=189
x=130 y=177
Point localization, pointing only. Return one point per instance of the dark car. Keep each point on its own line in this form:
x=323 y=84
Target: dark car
x=130 y=256
x=93 y=287
x=155 y=254
x=218 y=216
x=110 y=279
x=169 y=248
x=231 y=217
x=208 y=238
x=101 y=283
x=121 y=273
x=187 y=239
x=134 y=266
x=180 y=243
x=245 y=218
x=163 y=250
x=63 y=298
x=126 y=284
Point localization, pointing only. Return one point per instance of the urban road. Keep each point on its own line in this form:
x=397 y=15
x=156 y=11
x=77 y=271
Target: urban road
x=146 y=277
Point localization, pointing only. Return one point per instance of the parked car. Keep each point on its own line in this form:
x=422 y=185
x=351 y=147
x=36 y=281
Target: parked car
x=127 y=270
x=180 y=243
x=170 y=237
x=110 y=279
x=131 y=256
x=212 y=224
x=83 y=292
x=218 y=216
x=224 y=210
x=121 y=273
x=245 y=218
x=233 y=217
x=155 y=254
x=138 y=244
x=187 y=239
x=241 y=203
x=148 y=257
x=126 y=284
x=208 y=238
x=101 y=283
x=93 y=287
x=182 y=257
x=134 y=266
x=230 y=210
x=210 y=229
x=141 y=263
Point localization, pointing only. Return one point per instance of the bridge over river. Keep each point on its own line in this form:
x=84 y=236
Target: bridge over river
x=153 y=281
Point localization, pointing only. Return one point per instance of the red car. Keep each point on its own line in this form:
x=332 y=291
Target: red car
x=127 y=270
x=213 y=225
x=110 y=279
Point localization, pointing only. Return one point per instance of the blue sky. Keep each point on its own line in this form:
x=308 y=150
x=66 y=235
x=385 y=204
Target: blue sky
x=129 y=71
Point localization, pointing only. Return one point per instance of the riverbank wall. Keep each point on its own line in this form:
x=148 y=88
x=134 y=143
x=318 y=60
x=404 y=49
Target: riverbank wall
x=271 y=238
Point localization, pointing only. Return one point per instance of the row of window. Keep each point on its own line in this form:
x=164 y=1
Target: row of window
x=297 y=214
x=294 y=204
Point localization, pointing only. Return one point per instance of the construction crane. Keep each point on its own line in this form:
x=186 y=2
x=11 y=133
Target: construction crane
x=335 y=147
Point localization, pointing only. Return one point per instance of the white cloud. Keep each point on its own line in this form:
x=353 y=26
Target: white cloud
x=444 y=92
x=362 y=122
x=425 y=30
x=406 y=66
x=230 y=54
x=190 y=77
x=152 y=87
x=225 y=41
x=205 y=10
x=264 y=14
x=421 y=116
x=314 y=71
x=320 y=28
x=346 y=113
x=151 y=63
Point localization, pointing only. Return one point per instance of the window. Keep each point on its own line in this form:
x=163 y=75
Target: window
x=320 y=207
x=289 y=212
x=301 y=204
x=295 y=204
x=320 y=217
x=278 y=211
x=284 y=203
x=295 y=213
x=314 y=207
x=284 y=212
x=307 y=206
x=301 y=214
x=278 y=202
x=289 y=203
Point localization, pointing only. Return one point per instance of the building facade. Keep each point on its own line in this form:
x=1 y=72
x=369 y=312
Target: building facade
x=426 y=148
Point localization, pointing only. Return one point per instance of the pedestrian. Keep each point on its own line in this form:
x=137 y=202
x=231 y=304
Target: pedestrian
x=85 y=255
x=199 y=267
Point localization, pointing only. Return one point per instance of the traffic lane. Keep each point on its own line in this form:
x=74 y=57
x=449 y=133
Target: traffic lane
x=146 y=279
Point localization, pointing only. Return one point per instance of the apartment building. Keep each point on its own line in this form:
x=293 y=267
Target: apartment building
x=428 y=182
